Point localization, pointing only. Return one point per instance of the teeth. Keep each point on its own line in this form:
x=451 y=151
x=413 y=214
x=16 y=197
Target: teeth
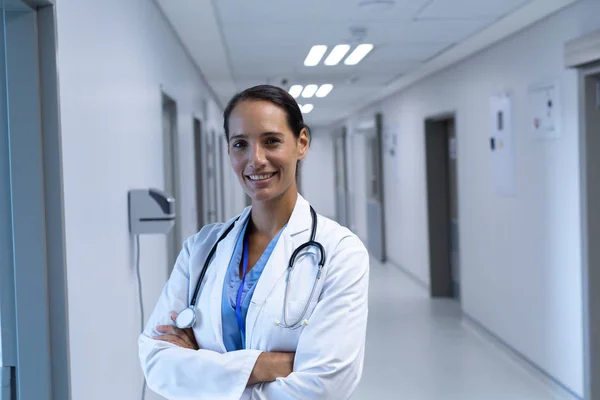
x=260 y=177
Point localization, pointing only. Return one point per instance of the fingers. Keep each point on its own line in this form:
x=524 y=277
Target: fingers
x=189 y=332
x=181 y=341
x=169 y=329
x=180 y=337
x=170 y=332
x=173 y=331
x=176 y=340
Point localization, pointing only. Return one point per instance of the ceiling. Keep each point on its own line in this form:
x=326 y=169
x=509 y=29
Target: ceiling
x=238 y=44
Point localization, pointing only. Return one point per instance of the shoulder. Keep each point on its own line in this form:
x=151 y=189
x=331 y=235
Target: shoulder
x=208 y=234
x=338 y=239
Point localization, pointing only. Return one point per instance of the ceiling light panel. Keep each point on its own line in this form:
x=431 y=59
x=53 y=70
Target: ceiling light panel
x=295 y=91
x=307 y=108
x=309 y=91
x=324 y=90
x=358 y=54
x=315 y=55
x=337 y=54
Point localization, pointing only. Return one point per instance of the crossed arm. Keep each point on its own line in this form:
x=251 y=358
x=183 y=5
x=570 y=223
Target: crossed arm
x=268 y=367
x=327 y=363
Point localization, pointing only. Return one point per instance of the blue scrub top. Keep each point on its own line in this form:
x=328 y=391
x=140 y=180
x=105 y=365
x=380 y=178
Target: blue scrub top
x=232 y=336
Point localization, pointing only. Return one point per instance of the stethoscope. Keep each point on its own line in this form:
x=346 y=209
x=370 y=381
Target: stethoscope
x=187 y=317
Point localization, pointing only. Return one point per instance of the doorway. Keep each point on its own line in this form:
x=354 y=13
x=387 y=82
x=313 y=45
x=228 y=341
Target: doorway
x=171 y=168
x=590 y=170
x=222 y=154
x=341 y=179
x=34 y=360
x=442 y=206
x=199 y=173
x=375 y=187
x=212 y=213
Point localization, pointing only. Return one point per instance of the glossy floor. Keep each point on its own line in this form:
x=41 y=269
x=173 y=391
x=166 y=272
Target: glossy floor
x=420 y=349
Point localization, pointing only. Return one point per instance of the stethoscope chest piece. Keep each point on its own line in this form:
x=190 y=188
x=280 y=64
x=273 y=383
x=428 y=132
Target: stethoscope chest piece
x=186 y=318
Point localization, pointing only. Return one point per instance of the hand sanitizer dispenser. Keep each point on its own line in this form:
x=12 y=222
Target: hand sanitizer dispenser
x=150 y=211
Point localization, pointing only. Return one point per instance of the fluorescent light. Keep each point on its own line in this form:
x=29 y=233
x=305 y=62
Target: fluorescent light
x=337 y=54
x=324 y=90
x=307 y=108
x=296 y=90
x=309 y=91
x=358 y=54
x=314 y=55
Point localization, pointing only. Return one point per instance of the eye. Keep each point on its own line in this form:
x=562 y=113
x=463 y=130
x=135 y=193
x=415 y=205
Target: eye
x=273 y=141
x=239 y=144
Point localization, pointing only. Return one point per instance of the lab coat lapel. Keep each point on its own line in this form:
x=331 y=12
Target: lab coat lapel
x=219 y=267
x=300 y=221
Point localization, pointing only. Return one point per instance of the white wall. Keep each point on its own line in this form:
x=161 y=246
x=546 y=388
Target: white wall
x=520 y=257
x=114 y=56
x=318 y=179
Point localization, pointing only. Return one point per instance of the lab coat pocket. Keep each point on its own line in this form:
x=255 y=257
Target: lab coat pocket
x=297 y=314
x=280 y=337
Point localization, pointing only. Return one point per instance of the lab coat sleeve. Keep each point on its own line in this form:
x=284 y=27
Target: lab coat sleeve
x=330 y=353
x=184 y=374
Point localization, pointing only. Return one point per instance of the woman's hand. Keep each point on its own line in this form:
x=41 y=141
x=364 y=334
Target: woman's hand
x=270 y=366
x=180 y=337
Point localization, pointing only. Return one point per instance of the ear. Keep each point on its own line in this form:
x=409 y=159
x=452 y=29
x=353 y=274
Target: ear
x=303 y=143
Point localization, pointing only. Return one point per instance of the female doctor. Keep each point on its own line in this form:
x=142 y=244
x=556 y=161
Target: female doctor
x=273 y=303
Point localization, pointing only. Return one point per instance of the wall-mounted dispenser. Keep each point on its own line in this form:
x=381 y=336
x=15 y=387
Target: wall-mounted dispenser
x=151 y=211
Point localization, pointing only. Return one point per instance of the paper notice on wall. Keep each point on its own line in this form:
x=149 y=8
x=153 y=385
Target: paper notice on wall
x=502 y=146
x=545 y=110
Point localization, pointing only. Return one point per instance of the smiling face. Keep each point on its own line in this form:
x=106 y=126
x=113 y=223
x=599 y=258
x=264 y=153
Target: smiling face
x=263 y=149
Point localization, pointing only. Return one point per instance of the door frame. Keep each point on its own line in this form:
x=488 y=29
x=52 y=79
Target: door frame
x=199 y=168
x=171 y=161
x=340 y=140
x=375 y=200
x=39 y=258
x=438 y=213
x=590 y=228
x=583 y=54
x=222 y=151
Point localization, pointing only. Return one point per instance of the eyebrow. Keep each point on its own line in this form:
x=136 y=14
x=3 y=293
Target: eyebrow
x=243 y=135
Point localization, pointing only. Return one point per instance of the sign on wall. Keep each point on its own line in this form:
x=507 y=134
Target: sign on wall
x=545 y=110
x=502 y=145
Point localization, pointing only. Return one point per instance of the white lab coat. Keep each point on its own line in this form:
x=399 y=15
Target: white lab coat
x=329 y=350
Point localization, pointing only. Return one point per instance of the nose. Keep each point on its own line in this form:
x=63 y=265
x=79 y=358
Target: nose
x=257 y=156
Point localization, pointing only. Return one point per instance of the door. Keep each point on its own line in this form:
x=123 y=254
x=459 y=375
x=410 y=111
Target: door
x=357 y=186
x=222 y=182
x=8 y=346
x=171 y=168
x=453 y=205
x=341 y=180
x=590 y=167
x=442 y=206
x=33 y=351
x=199 y=173
x=375 y=206
x=212 y=178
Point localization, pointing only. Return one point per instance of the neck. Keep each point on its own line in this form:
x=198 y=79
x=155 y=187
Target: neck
x=268 y=217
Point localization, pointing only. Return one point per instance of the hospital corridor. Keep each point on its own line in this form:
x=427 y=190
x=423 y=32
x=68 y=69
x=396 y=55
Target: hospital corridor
x=293 y=200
